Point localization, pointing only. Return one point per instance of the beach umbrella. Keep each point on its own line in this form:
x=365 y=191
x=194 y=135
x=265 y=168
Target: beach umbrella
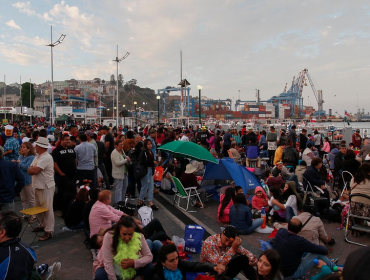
x=184 y=149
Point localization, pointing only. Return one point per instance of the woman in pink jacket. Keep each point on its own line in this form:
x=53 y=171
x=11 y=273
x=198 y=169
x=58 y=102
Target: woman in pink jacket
x=226 y=201
x=211 y=140
x=124 y=254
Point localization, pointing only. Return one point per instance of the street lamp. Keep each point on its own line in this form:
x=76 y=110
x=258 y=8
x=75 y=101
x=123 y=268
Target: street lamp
x=135 y=103
x=200 y=106
x=51 y=45
x=124 y=115
x=118 y=60
x=158 y=98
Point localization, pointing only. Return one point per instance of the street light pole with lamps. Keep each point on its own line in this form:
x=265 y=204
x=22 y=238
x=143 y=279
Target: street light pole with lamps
x=200 y=106
x=158 y=98
x=124 y=115
x=118 y=61
x=135 y=103
x=52 y=45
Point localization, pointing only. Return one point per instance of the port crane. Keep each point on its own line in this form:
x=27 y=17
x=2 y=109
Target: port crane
x=318 y=96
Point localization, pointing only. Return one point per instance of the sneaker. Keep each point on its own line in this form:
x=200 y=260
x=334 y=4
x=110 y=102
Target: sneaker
x=133 y=197
x=52 y=270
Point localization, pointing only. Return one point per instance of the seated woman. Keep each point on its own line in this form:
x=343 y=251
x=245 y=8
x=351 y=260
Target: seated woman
x=241 y=216
x=277 y=213
x=360 y=184
x=259 y=199
x=226 y=201
x=74 y=216
x=268 y=265
x=188 y=179
x=234 y=151
x=290 y=200
x=124 y=253
x=169 y=266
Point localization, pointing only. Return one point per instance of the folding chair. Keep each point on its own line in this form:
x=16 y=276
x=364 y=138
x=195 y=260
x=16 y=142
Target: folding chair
x=354 y=221
x=315 y=200
x=346 y=175
x=185 y=193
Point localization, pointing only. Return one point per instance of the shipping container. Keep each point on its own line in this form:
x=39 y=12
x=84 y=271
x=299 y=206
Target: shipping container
x=237 y=114
x=217 y=116
x=263 y=109
x=253 y=109
x=253 y=106
x=251 y=103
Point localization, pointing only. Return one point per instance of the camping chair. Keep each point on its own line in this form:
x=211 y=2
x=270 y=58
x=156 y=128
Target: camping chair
x=354 y=221
x=315 y=199
x=237 y=160
x=346 y=175
x=185 y=193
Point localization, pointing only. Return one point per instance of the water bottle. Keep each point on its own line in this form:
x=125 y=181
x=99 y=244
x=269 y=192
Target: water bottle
x=316 y=261
x=263 y=216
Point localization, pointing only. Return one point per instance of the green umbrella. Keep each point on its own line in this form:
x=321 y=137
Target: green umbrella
x=188 y=150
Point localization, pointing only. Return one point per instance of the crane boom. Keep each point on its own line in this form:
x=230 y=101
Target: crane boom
x=318 y=94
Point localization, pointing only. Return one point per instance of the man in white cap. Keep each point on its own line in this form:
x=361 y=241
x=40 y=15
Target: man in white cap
x=42 y=171
x=11 y=146
x=188 y=179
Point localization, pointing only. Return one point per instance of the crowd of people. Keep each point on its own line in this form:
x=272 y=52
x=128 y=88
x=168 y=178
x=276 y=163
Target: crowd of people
x=76 y=171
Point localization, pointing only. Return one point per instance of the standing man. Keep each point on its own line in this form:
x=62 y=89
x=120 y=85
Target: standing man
x=185 y=137
x=65 y=168
x=303 y=140
x=357 y=139
x=152 y=134
x=12 y=180
x=101 y=157
x=85 y=154
x=293 y=135
x=11 y=146
x=42 y=171
x=91 y=140
x=228 y=138
x=109 y=146
x=271 y=144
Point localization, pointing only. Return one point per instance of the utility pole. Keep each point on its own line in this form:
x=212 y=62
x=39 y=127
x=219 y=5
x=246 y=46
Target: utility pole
x=4 y=95
x=30 y=103
x=118 y=61
x=20 y=92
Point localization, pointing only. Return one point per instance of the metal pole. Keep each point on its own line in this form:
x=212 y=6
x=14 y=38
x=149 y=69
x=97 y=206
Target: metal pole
x=4 y=95
x=200 y=110
x=135 y=116
x=52 y=77
x=117 y=89
x=20 y=92
x=158 y=110
x=30 y=103
x=100 y=107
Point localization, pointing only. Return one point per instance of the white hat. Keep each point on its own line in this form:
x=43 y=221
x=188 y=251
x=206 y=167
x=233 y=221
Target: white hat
x=190 y=169
x=9 y=127
x=42 y=142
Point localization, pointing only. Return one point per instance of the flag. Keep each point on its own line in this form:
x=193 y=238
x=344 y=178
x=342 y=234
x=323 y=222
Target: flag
x=346 y=113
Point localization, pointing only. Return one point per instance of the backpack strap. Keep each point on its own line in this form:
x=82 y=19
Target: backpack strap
x=307 y=221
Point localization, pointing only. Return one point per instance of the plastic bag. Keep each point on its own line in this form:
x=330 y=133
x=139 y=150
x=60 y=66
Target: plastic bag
x=264 y=230
x=177 y=240
x=265 y=245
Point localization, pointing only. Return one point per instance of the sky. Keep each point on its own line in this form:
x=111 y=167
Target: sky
x=227 y=45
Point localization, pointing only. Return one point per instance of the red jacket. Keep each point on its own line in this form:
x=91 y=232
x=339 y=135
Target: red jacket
x=225 y=214
x=259 y=202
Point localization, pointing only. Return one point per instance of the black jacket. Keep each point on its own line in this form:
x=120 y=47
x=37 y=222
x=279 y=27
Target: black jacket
x=291 y=156
x=313 y=176
x=17 y=260
x=186 y=266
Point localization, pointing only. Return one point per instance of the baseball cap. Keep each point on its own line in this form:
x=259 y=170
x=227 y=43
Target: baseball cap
x=230 y=232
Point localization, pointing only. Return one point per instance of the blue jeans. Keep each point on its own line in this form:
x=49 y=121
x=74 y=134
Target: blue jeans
x=147 y=184
x=81 y=225
x=145 y=271
x=154 y=247
x=289 y=213
x=307 y=263
x=255 y=224
x=121 y=187
x=294 y=178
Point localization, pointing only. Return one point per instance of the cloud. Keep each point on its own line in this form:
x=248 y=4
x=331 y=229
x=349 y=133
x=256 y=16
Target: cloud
x=25 y=8
x=12 y=24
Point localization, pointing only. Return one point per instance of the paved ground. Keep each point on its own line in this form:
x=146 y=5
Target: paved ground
x=69 y=249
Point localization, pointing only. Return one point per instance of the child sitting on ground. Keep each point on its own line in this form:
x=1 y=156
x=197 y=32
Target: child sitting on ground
x=260 y=199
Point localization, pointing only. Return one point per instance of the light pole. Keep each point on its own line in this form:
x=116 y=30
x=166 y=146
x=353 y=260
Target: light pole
x=135 y=103
x=30 y=103
x=118 y=60
x=158 y=98
x=52 y=45
x=124 y=115
x=200 y=106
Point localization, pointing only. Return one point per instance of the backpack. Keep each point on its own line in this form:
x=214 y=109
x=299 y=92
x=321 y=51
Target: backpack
x=194 y=238
x=145 y=214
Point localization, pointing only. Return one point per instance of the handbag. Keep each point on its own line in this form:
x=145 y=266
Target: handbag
x=140 y=170
x=194 y=238
x=158 y=174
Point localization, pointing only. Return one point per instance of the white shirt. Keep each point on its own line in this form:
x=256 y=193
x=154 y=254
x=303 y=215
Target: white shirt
x=184 y=138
